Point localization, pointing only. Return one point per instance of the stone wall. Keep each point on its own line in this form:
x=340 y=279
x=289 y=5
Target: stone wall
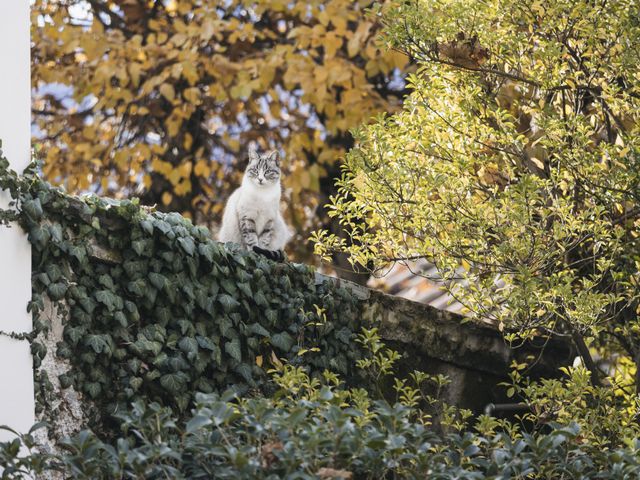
x=474 y=355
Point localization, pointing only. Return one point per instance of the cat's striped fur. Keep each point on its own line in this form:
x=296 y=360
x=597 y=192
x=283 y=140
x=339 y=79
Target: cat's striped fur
x=252 y=215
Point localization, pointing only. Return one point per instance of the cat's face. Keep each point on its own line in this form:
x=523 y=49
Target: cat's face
x=263 y=170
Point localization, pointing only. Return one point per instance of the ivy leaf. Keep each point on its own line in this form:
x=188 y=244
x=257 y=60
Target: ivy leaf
x=106 y=281
x=147 y=226
x=33 y=208
x=79 y=253
x=272 y=316
x=258 y=329
x=173 y=382
x=106 y=298
x=162 y=226
x=121 y=318
x=55 y=229
x=206 y=250
x=157 y=280
x=97 y=343
x=188 y=345
x=56 y=290
x=226 y=327
x=228 y=302
x=163 y=315
x=93 y=389
x=246 y=289
x=135 y=383
x=187 y=245
x=260 y=299
x=229 y=286
x=205 y=342
x=39 y=235
x=137 y=287
x=232 y=347
x=245 y=372
x=283 y=341
x=344 y=335
x=141 y=247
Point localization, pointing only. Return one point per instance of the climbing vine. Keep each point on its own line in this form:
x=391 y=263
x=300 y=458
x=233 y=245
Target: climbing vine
x=154 y=309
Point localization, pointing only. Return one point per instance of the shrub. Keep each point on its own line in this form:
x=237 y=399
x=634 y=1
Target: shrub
x=332 y=435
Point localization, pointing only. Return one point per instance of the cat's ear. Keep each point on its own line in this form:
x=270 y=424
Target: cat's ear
x=275 y=158
x=253 y=153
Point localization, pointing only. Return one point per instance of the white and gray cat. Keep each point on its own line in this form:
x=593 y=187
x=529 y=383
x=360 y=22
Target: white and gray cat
x=252 y=215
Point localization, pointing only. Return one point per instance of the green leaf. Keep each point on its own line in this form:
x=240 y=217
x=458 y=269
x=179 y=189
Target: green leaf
x=228 y=302
x=55 y=229
x=245 y=288
x=147 y=226
x=121 y=318
x=245 y=372
x=344 y=335
x=106 y=298
x=283 y=341
x=137 y=287
x=232 y=347
x=97 y=343
x=157 y=280
x=187 y=245
x=197 y=422
x=39 y=236
x=106 y=281
x=57 y=290
x=206 y=342
x=258 y=329
x=188 y=345
x=174 y=382
x=93 y=389
x=33 y=208
x=272 y=316
x=229 y=286
x=79 y=253
x=141 y=247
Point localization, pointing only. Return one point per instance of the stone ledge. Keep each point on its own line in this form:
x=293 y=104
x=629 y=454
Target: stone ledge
x=448 y=336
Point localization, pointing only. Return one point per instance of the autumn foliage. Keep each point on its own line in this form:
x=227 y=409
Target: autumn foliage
x=160 y=99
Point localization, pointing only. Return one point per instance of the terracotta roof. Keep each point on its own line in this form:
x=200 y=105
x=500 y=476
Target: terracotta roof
x=417 y=281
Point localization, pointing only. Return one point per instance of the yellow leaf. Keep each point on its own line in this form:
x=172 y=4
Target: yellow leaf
x=192 y=95
x=275 y=360
x=166 y=198
x=331 y=44
x=357 y=40
x=134 y=72
x=538 y=163
x=202 y=169
x=168 y=92
x=188 y=141
x=173 y=123
x=259 y=360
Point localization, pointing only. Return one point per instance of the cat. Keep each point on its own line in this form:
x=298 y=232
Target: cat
x=252 y=215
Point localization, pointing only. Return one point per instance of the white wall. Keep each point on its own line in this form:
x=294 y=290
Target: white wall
x=16 y=376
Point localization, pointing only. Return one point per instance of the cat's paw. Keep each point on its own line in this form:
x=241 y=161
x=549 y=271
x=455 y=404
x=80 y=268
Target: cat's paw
x=275 y=255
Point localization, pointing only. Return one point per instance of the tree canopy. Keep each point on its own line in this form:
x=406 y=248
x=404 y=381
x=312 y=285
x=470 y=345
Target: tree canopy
x=160 y=99
x=514 y=165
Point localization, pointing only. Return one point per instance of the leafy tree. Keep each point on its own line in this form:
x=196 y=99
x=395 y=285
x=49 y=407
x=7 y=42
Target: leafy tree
x=514 y=165
x=161 y=98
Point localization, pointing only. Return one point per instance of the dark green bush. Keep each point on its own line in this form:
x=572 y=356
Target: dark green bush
x=261 y=438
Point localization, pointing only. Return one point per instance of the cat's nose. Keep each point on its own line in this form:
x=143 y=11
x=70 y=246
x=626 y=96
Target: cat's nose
x=261 y=180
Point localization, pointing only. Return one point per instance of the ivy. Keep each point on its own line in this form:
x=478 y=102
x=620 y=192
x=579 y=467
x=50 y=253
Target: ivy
x=155 y=310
